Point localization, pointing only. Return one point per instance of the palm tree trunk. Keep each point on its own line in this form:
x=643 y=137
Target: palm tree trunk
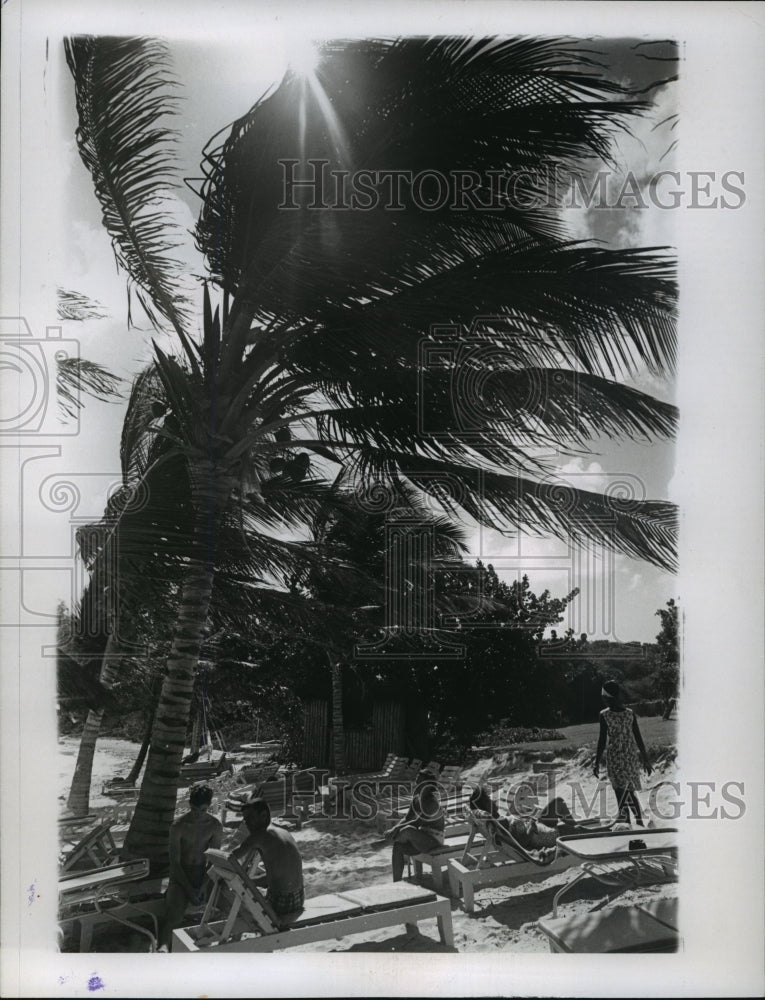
x=338 y=729
x=78 y=802
x=135 y=770
x=155 y=809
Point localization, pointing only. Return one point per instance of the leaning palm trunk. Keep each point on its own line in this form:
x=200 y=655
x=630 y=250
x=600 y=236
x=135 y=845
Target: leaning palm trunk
x=78 y=802
x=135 y=770
x=79 y=794
x=148 y=835
x=155 y=810
x=338 y=729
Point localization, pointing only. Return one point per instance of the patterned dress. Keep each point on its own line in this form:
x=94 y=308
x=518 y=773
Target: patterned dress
x=622 y=754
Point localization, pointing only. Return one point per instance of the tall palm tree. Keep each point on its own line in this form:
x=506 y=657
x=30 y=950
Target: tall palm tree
x=313 y=360
x=137 y=552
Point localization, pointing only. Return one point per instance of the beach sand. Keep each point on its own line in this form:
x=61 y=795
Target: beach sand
x=343 y=854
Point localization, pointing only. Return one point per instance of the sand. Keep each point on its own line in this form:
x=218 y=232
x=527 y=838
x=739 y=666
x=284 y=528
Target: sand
x=340 y=854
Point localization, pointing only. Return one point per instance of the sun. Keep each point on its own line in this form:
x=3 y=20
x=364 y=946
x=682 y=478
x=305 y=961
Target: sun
x=302 y=56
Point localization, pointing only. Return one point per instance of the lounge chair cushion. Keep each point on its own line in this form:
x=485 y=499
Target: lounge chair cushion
x=622 y=929
x=663 y=910
x=321 y=908
x=388 y=896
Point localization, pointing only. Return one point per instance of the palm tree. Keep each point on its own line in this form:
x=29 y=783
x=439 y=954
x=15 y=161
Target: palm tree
x=351 y=582
x=137 y=554
x=312 y=360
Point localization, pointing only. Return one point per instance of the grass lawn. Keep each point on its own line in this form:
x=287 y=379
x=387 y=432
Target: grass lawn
x=656 y=731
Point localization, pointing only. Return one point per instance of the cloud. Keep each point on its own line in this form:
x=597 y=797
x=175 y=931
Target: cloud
x=620 y=211
x=584 y=477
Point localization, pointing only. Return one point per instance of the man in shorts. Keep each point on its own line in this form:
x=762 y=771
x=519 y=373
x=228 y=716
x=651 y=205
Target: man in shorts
x=280 y=855
x=190 y=836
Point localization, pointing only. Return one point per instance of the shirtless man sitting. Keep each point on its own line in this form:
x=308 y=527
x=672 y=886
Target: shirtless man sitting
x=281 y=858
x=190 y=837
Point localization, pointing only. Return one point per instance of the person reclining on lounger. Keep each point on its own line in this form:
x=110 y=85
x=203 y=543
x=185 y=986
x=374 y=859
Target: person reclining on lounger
x=281 y=858
x=536 y=834
x=422 y=829
x=190 y=837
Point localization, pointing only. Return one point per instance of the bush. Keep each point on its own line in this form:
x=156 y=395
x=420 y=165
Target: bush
x=507 y=735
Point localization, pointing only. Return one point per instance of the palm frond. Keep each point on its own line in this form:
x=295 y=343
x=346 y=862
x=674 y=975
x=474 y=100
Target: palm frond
x=75 y=306
x=392 y=105
x=642 y=529
x=123 y=89
x=77 y=375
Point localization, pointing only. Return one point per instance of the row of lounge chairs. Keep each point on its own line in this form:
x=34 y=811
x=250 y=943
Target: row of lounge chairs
x=251 y=926
x=237 y=918
x=477 y=852
x=295 y=794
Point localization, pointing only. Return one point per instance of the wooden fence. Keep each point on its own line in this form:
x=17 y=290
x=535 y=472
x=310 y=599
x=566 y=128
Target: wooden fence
x=365 y=748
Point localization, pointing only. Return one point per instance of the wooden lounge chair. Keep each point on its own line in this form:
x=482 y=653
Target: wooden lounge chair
x=393 y=777
x=273 y=791
x=291 y=795
x=438 y=859
x=95 y=850
x=496 y=859
x=391 y=794
x=252 y=926
x=89 y=899
x=72 y=822
x=392 y=770
x=203 y=770
x=252 y=774
x=617 y=929
x=454 y=805
x=119 y=788
x=450 y=776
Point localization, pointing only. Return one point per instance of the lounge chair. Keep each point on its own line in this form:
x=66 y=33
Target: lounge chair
x=391 y=793
x=203 y=770
x=89 y=899
x=291 y=795
x=120 y=788
x=252 y=926
x=439 y=859
x=496 y=859
x=454 y=805
x=273 y=791
x=450 y=776
x=72 y=822
x=252 y=774
x=647 y=928
x=95 y=850
x=620 y=860
x=393 y=770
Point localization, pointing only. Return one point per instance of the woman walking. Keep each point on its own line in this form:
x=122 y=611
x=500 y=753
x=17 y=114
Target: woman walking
x=619 y=731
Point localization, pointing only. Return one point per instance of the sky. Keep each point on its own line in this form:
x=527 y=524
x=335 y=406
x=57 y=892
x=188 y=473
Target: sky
x=619 y=596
